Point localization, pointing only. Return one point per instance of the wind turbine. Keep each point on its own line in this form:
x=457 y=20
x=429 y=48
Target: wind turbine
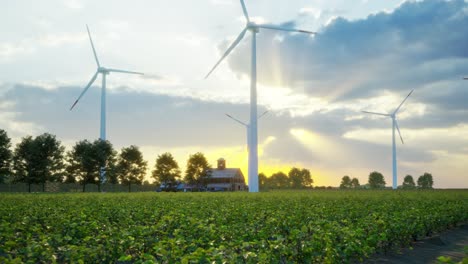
x=103 y=71
x=394 y=125
x=247 y=126
x=254 y=28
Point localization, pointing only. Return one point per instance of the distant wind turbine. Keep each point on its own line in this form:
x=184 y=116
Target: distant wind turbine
x=104 y=71
x=253 y=147
x=247 y=126
x=394 y=125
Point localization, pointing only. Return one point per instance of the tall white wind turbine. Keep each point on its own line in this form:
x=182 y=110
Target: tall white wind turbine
x=103 y=71
x=254 y=28
x=394 y=125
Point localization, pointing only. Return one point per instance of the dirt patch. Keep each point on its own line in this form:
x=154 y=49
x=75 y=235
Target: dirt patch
x=449 y=244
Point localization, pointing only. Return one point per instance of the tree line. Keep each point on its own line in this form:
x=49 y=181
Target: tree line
x=376 y=181
x=43 y=159
x=295 y=179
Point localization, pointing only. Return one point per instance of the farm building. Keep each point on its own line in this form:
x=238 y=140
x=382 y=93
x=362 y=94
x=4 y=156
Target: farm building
x=226 y=179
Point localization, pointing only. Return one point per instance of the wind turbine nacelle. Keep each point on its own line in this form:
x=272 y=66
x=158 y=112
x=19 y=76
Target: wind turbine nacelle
x=103 y=70
x=253 y=27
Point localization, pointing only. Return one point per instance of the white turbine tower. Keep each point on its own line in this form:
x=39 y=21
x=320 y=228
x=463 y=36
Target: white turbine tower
x=104 y=71
x=247 y=126
x=394 y=125
x=253 y=146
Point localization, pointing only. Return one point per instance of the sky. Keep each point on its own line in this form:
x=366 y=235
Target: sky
x=366 y=55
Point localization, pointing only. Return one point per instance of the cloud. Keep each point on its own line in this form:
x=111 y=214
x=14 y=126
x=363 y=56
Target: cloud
x=325 y=143
x=414 y=46
x=10 y=50
x=73 y=4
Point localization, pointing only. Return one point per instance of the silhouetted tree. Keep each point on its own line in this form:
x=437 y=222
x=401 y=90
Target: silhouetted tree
x=425 y=181
x=408 y=182
x=86 y=159
x=39 y=160
x=279 y=180
x=5 y=156
x=131 y=167
x=300 y=178
x=355 y=183
x=376 y=180
x=198 y=170
x=263 y=181
x=345 y=182
x=166 y=171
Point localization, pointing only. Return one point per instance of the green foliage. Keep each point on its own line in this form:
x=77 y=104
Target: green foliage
x=425 y=181
x=198 y=170
x=273 y=227
x=408 y=182
x=131 y=168
x=39 y=160
x=355 y=183
x=263 y=181
x=86 y=159
x=296 y=179
x=300 y=178
x=166 y=170
x=278 y=180
x=345 y=182
x=5 y=156
x=376 y=180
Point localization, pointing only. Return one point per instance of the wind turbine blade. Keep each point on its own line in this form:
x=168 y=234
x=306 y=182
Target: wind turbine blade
x=466 y=78
x=274 y=27
x=399 y=133
x=85 y=89
x=123 y=71
x=92 y=45
x=245 y=11
x=233 y=45
x=398 y=108
x=374 y=113
x=264 y=113
x=237 y=120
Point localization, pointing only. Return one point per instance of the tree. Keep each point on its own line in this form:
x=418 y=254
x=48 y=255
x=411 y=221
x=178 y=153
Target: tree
x=5 y=156
x=131 y=168
x=81 y=167
x=263 y=181
x=198 y=170
x=376 y=180
x=86 y=159
x=408 y=182
x=300 y=178
x=279 y=180
x=425 y=181
x=355 y=183
x=39 y=160
x=105 y=156
x=166 y=171
x=345 y=182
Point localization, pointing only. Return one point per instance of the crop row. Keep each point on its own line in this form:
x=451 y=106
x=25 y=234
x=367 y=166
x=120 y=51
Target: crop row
x=275 y=227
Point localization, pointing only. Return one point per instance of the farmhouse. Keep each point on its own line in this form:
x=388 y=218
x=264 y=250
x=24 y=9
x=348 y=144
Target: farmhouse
x=226 y=179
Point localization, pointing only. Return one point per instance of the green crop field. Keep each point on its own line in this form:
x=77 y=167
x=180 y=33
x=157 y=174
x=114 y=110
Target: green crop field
x=274 y=227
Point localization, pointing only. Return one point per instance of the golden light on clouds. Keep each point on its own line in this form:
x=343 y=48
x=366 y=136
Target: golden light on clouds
x=318 y=144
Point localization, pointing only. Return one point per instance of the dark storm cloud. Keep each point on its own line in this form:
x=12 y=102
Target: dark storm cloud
x=417 y=44
x=132 y=118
